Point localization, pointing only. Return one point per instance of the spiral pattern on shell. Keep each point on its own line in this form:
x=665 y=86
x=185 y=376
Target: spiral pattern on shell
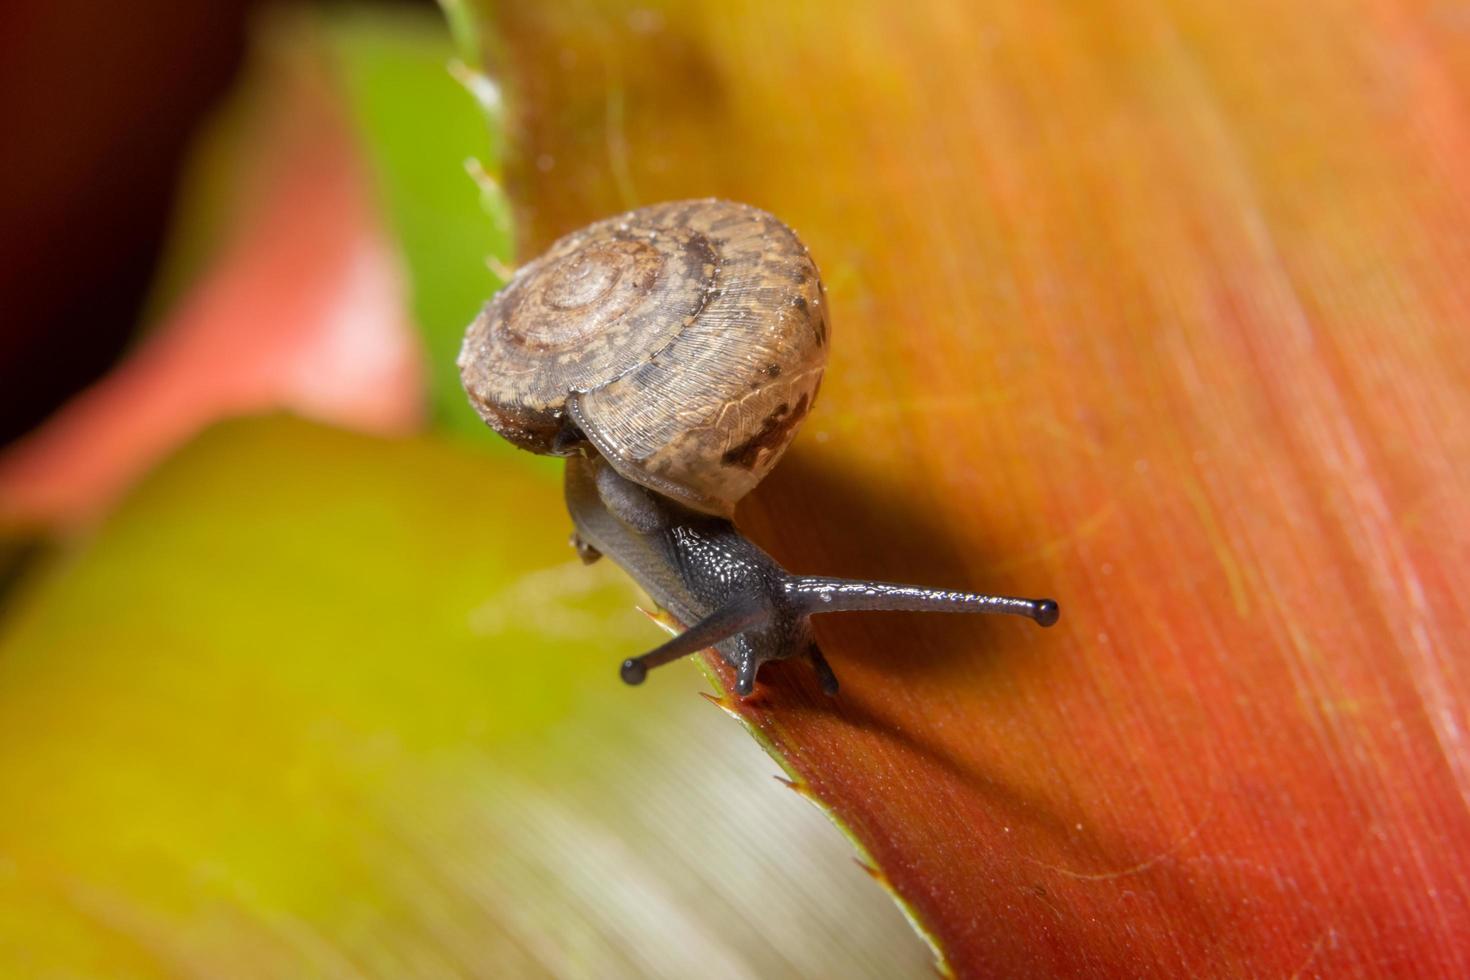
x=685 y=340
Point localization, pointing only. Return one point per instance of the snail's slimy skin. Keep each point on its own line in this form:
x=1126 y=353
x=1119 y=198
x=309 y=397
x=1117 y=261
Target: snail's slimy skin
x=732 y=595
x=692 y=565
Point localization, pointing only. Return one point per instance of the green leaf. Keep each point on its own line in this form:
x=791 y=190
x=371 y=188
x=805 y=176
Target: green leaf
x=317 y=704
x=428 y=142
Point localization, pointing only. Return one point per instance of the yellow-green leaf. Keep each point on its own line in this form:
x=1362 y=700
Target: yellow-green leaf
x=320 y=704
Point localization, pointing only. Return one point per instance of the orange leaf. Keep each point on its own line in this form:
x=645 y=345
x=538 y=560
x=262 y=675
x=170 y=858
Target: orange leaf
x=1156 y=308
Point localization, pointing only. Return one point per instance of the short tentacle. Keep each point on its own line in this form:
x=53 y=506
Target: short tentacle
x=585 y=551
x=745 y=676
x=825 y=677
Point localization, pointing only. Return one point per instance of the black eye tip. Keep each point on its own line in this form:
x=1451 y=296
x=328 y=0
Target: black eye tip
x=633 y=671
x=1047 y=612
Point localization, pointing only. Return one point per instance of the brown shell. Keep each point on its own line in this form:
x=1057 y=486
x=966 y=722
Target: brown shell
x=685 y=340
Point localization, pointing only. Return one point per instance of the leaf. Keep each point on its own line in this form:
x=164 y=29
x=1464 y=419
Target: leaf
x=318 y=704
x=1155 y=308
x=428 y=142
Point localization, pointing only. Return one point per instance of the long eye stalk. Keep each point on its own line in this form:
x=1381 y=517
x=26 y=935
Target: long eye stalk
x=809 y=595
x=816 y=594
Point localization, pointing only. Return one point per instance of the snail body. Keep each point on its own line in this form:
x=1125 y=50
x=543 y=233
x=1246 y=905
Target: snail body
x=670 y=354
x=735 y=596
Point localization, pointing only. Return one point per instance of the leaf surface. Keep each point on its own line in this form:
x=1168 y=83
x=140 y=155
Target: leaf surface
x=1157 y=308
x=319 y=704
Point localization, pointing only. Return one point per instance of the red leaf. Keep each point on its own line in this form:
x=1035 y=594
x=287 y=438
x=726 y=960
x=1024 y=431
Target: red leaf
x=1158 y=309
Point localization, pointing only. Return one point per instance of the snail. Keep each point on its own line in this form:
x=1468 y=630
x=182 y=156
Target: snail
x=670 y=353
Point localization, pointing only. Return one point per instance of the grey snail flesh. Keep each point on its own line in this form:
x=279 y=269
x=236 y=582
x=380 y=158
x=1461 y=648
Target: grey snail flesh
x=686 y=341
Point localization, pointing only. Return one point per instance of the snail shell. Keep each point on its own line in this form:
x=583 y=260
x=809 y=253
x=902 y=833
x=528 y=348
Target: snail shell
x=685 y=340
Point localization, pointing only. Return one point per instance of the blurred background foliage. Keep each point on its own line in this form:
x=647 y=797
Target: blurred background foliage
x=1158 y=307
x=293 y=701
x=414 y=117
x=311 y=703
